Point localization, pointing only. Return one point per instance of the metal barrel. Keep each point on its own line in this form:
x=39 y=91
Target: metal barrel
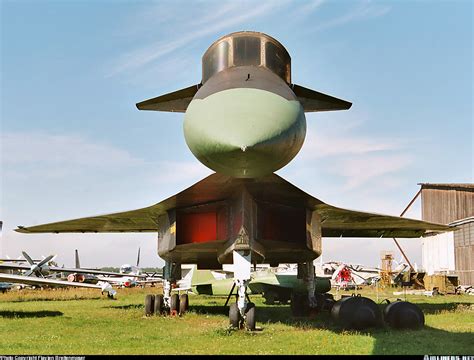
x=403 y=315
x=356 y=312
x=322 y=285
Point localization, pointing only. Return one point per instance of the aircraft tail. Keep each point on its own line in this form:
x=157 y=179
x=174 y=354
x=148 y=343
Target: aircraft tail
x=138 y=258
x=202 y=277
x=76 y=259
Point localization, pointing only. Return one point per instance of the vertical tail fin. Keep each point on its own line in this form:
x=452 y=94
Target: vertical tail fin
x=138 y=258
x=76 y=259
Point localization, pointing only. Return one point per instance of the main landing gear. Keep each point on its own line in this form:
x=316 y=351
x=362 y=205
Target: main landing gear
x=309 y=303
x=155 y=305
x=168 y=303
x=242 y=311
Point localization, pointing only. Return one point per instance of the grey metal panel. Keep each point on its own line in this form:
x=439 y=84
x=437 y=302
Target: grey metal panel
x=166 y=233
x=176 y=101
x=313 y=101
x=238 y=77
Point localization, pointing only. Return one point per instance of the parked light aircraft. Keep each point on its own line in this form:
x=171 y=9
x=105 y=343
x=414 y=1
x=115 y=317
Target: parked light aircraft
x=42 y=269
x=37 y=273
x=275 y=284
x=38 y=281
x=131 y=275
x=245 y=119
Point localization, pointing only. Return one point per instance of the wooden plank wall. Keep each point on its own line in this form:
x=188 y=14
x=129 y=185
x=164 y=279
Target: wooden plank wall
x=445 y=205
x=464 y=253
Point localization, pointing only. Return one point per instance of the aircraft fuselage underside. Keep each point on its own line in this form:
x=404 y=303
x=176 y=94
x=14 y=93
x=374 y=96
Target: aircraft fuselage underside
x=207 y=234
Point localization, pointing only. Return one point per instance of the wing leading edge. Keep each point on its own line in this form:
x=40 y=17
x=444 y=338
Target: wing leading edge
x=33 y=280
x=335 y=222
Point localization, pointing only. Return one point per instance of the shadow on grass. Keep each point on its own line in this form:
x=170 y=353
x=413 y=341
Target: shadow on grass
x=428 y=340
x=29 y=314
x=436 y=308
x=125 y=307
x=53 y=299
x=425 y=341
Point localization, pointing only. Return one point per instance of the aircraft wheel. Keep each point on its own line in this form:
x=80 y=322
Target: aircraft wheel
x=250 y=317
x=299 y=304
x=183 y=303
x=270 y=297
x=174 y=305
x=159 y=304
x=284 y=298
x=234 y=315
x=149 y=305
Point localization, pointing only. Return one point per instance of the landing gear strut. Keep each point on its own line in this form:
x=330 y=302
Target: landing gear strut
x=242 y=312
x=304 y=304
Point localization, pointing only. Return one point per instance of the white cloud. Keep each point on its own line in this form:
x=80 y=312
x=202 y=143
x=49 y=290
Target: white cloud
x=363 y=11
x=216 y=20
x=346 y=151
x=53 y=177
x=61 y=150
x=303 y=9
x=174 y=172
x=331 y=144
x=359 y=171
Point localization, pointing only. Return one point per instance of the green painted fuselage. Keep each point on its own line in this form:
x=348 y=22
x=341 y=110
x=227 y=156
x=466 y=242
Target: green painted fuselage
x=204 y=283
x=245 y=129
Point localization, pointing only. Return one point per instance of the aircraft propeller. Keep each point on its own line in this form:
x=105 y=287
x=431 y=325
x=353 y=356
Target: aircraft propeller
x=36 y=268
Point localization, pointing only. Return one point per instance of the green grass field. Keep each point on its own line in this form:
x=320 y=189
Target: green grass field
x=80 y=321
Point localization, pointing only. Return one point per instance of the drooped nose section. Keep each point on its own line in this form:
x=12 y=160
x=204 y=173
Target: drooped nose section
x=244 y=132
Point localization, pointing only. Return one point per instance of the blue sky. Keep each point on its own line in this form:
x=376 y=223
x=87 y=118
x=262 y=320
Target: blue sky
x=73 y=144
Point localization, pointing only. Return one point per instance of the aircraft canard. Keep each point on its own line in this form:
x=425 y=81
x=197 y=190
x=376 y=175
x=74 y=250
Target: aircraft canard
x=246 y=117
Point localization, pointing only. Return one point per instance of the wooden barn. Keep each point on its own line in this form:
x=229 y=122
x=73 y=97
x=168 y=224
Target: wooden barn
x=450 y=204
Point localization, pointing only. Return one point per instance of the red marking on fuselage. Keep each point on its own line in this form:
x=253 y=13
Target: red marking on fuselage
x=196 y=227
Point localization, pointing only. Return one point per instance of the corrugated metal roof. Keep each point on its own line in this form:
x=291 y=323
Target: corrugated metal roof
x=462 y=186
x=462 y=221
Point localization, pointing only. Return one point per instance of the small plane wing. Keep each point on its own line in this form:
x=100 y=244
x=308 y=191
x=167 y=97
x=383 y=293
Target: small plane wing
x=176 y=101
x=14 y=267
x=313 y=101
x=87 y=271
x=66 y=270
x=335 y=222
x=33 y=280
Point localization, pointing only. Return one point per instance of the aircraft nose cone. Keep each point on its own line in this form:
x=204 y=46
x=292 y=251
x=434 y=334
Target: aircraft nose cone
x=244 y=132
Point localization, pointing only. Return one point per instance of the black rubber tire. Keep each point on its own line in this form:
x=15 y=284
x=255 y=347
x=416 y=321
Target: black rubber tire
x=149 y=305
x=234 y=316
x=174 y=304
x=270 y=296
x=159 y=304
x=250 y=318
x=299 y=304
x=284 y=298
x=183 y=304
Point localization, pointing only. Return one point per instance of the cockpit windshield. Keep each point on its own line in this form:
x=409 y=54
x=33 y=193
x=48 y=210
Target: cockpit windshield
x=126 y=269
x=246 y=48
